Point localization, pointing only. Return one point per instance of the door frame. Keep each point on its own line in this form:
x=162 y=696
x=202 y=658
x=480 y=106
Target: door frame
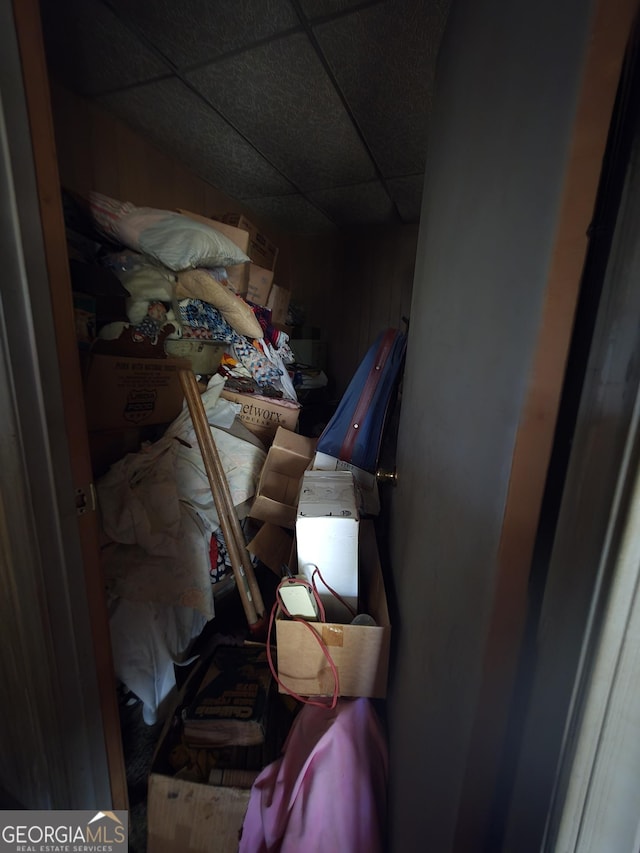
x=610 y=29
x=69 y=437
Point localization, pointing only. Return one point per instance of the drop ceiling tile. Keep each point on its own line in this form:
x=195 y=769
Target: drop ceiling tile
x=407 y=194
x=91 y=51
x=171 y=116
x=318 y=8
x=280 y=97
x=363 y=204
x=194 y=31
x=384 y=59
x=291 y=213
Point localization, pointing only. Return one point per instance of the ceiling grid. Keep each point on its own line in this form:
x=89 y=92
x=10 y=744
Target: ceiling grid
x=317 y=109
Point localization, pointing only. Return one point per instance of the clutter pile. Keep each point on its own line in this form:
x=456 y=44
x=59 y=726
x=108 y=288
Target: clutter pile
x=204 y=479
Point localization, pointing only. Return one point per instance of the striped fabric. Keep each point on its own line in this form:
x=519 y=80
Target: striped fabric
x=107 y=211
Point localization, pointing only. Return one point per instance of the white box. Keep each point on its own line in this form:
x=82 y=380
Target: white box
x=369 y=497
x=327 y=527
x=359 y=652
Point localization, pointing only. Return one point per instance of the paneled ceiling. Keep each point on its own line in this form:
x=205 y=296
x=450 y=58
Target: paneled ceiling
x=313 y=113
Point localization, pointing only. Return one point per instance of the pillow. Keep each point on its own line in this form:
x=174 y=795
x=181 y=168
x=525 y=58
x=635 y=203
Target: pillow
x=148 y=283
x=200 y=284
x=107 y=211
x=176 y=241
x=140 y=278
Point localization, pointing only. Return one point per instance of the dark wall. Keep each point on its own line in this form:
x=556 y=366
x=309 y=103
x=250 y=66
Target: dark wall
x=505 y=101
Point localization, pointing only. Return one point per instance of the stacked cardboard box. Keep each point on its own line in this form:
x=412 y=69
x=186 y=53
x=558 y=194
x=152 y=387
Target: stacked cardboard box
x=261 y=250
x=239 y=275
x=262 y=289
x=360 y=650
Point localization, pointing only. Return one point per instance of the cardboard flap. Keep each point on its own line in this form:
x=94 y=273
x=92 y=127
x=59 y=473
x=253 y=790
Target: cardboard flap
x=295 y=443
x=272 y=546
x=277 y=494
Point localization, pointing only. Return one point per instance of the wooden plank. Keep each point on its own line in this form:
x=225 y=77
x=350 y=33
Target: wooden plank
x=240 y=562
x=609 y=34
x=27 y=20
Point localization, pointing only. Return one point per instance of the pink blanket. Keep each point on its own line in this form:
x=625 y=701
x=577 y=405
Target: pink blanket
x=328 y=790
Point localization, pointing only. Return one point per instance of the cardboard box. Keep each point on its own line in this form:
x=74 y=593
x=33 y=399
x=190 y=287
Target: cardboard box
x=272 y=546
x=121 y=392
x=203 y=356
x=278 y=301
x=360 y=652
x=239 y=236
x=183 y=814
x=276 y=497
x=263 y=415
x=260 y=281
x=238 y=278
x=327 y=527
x=261 y=250
x=238 y=275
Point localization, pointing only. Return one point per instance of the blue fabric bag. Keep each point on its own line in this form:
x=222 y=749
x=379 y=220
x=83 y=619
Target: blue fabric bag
x=354 y=433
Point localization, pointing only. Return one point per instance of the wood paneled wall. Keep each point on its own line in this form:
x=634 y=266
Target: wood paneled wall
x=353 y=288
x=96 y=151
x=375 y=283
x=350 y=285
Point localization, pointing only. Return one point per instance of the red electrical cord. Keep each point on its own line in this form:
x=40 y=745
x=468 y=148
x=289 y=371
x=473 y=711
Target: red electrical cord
x=315 y=572
x=279 y=604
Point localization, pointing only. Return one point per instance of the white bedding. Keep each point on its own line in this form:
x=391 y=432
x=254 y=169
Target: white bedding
x=158 y=516
x=147 y=639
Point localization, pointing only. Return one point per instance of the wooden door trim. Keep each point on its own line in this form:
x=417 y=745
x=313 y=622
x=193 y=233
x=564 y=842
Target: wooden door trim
x=608 y=37
x=36 y=87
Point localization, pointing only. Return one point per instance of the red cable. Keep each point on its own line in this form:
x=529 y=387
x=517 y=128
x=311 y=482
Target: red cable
x=321 y=643
x=331 y=590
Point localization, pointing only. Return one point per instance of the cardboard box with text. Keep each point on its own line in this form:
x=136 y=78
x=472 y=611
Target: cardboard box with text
x=263 y=415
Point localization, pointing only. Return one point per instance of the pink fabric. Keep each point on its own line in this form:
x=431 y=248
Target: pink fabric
x=328 y=791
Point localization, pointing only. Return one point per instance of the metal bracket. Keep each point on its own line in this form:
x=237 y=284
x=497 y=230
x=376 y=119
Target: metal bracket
x=86 y=499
